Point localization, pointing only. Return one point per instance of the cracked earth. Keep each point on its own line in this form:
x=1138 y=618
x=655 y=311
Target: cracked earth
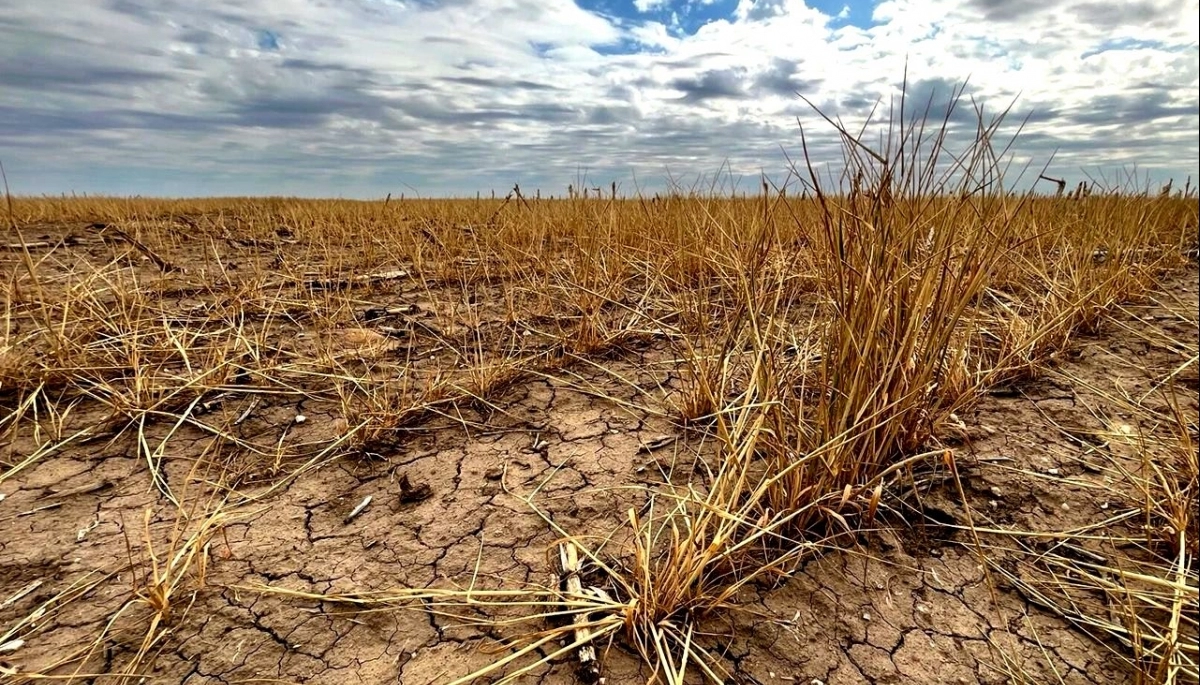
x=916 y=602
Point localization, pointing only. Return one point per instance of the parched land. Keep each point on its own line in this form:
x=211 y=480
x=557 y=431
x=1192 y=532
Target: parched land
x=867 y=438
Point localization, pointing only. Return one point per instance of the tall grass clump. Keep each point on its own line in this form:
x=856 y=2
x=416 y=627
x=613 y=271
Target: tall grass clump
x=906 y=243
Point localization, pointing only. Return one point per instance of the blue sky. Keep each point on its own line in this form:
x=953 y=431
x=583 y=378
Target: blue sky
x=360 y=98
x=690 y=16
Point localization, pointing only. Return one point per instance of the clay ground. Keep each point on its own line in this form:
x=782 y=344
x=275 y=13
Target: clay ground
x=87 y=524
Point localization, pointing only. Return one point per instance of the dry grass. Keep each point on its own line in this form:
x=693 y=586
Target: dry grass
x=819 y=343
x=1131 y=580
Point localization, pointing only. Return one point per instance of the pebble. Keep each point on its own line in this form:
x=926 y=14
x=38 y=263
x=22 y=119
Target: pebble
x=1052 y=472
x=300 y=418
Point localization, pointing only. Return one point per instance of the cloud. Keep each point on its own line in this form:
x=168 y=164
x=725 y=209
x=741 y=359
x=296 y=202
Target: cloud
x=497 y=83
x=1149 y=107
x=1109 y=14
x=650 y=5
x=1007 y=10
x=711 y=85
x=784 y=77
x=33 y=72
x=449 y=96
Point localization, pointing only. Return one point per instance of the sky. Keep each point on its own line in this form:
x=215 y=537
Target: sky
x=360 y=98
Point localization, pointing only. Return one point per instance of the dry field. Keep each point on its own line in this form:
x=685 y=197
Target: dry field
x=920 y=430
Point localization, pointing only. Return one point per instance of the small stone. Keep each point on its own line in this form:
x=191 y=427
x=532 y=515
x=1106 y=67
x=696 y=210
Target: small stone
x=1066 y=507
x=997 y=492
x=1052 y=472
x=1104 y=505
x=866 y=617
x=300 y=418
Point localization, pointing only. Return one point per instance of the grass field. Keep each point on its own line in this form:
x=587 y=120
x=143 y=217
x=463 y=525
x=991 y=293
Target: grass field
x=911 y=427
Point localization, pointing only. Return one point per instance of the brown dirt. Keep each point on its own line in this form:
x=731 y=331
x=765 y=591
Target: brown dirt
x=912 y=604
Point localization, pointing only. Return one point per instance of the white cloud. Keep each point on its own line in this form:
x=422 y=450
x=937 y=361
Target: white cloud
x=357 y=96
x=650 y=5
